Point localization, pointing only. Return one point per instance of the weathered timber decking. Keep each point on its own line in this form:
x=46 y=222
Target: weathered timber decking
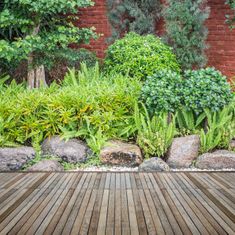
x=117 y=203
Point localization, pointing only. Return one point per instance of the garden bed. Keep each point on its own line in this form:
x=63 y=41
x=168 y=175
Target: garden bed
x=145 y=115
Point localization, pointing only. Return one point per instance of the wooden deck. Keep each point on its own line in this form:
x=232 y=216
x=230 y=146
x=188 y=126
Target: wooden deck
x=117 y=203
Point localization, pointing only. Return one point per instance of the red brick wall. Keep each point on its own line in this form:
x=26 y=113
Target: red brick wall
x=221 y=40
x=96 y=16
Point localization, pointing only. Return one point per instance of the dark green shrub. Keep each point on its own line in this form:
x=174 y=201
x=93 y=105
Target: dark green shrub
x=133 y=15
x=186 y=31
x=162 y=92
x=206 y=89
x=140 y=56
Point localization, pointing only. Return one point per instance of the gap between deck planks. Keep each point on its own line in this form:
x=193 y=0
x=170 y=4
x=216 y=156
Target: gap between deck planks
x=117 y=203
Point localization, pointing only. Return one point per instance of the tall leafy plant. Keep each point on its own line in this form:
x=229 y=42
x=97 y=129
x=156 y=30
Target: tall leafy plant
x=220 y=129
x=154 y=134
x=33 y=30
x=186 y=31
x=188 y=122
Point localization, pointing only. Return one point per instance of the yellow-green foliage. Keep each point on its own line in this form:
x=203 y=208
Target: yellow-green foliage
x=87 y=98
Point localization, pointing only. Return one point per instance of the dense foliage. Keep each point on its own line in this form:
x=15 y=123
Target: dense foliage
x=186 y=31
x=161 y=92
x=34 y=30
x=220 y=129
x=97 y=107
x=231 y=18
x=205 y=89
x=139 y=56
x=86 y=105
x=154 y=133
x=133 y=15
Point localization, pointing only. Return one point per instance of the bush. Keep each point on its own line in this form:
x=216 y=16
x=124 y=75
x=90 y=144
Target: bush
x=87 y=105
x=154 y=135
x=162 y=92
x=206 y=89
x=220 y=129
x=186 y=31
x=140 y=56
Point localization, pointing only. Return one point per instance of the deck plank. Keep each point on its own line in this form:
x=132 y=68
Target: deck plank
x=119 y=203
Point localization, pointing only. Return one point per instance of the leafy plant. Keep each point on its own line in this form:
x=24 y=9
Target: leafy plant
x=154 y=135
x=186 y=31
x=88 y=105
x=220 y=130
x=133 y=15
x=3 y=79
x=188 y=122
x=161 y=92
x=206 y=89
x=35 y=30
x=139 y=56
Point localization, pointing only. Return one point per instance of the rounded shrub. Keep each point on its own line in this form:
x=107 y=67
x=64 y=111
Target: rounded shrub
x=162 y=92
x=140 y=56
x=206 y=89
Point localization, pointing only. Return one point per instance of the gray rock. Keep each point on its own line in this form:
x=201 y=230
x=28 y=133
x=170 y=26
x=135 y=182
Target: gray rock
x=183 y=151
x=46 y=165
x=12 y=159
x=219 y=159
x=232 y=144
x=154 y=164
x=72 y=151
x=120 y=153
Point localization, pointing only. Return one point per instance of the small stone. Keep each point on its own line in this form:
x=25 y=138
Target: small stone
x=220 y=159
x=120 y=153
x=232 y=144
x=183 y=151
x=154 y=164
x=46 y=165
x=71 y=151
x=12 y=159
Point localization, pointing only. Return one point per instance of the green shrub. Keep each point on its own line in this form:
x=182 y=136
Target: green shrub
x=188 y=122
x=154 y=135
x=186 y=31
x=220 y=129
x=161 y=92
x=140 y=56
x=87 y=98
x=206 y=89
x=133 y=15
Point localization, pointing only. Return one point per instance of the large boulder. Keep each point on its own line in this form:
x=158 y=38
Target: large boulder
x=154 y=164
x=183 y=151
x=219 y=159
x=120 y=153
x=12 y=159
x=46 y=165
x=72 y=151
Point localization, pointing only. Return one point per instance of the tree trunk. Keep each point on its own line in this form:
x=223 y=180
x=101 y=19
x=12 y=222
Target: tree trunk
x=36 y=76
